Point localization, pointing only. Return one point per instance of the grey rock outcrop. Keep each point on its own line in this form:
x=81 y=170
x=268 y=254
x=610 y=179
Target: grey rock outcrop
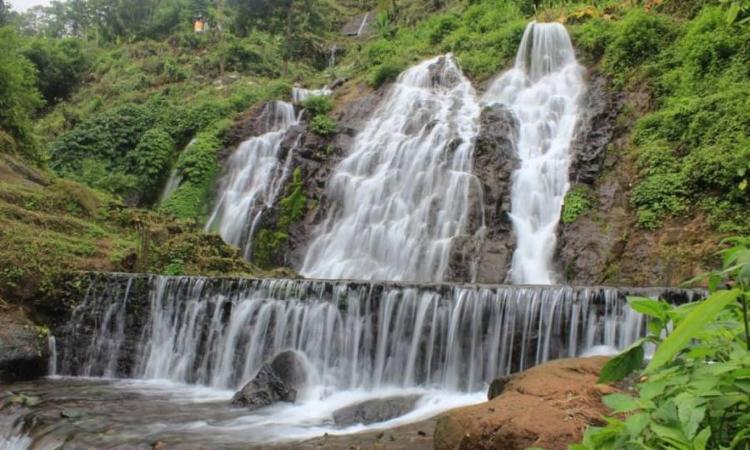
x=23 y=351
x=595 y=130
x=495 y=159
x=586 y=246
x=375 y=410
x=277 y=381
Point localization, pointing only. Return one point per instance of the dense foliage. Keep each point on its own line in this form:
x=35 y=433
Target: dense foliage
x=692 y=151
x=695 y=391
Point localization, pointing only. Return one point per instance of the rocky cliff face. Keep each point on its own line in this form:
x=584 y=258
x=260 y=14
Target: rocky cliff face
x=601 y=245
x=490 y=250
x=314 y=157
x=604 y=245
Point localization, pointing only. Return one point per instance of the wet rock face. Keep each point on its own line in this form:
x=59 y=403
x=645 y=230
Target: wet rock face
x=596 y=128
x=374 y=411
x=495 y=160
x=316 y=158
x=277 y=381
x=497 y=386
x=548 y=406
x=23 y=353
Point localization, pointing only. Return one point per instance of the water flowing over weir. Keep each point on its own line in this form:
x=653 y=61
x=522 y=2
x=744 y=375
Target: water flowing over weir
x=403 y=193
x=253 y=179
x=543 y=91
x=218 y=332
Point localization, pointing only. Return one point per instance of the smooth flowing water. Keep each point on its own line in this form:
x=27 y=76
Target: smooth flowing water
x=254 y=176
x=354 y=335
x=158 y=358
x=403 y=193
x=543 y=90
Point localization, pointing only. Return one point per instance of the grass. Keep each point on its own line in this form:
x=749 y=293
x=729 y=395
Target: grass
x=50 y=226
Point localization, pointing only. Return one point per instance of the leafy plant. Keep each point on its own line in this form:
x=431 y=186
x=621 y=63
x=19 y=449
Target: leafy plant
x=318 y=104
x=695 y=392
x=576 y=203
x=323 y=125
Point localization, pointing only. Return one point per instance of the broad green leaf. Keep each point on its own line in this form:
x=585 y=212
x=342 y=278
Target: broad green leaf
x=689 y=326
x=701 y=439
x=620 y=402
x=713 y=282
x=649 y=307
x=691 y=411
x=733 y=12
x=651 y=390
x=636 y=423
x=623 y=364
x=671 y=435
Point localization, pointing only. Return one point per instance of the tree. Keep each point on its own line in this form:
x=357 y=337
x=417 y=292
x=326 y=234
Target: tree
x=302 y=23
x=19 y=98
x=4 y=12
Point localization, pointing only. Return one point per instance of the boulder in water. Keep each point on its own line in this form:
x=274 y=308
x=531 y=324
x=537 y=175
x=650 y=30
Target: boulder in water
x=276 y=381
x=375 y=410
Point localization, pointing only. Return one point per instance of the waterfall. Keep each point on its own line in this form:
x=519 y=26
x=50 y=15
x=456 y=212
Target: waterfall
x=52 y=364
x=174 y=180
x=356 y=335
x=332 y=57
x=363 y=24
x=254 y=178
x=404 y=192
x=299 y=95
x=542 y=89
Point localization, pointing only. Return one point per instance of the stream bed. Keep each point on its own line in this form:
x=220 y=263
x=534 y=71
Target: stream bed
x=95 y=413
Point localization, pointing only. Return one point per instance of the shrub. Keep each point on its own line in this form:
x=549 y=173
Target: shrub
x=694 y=391
x=385 y=73
x=60 y=64
x=639 y=36
x=657 y=196
x=19 y=98
x=150 y=161
x=318 y=105
x=577 y=202
x=323 y=126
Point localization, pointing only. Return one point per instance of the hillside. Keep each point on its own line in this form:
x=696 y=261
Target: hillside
x=264 y=223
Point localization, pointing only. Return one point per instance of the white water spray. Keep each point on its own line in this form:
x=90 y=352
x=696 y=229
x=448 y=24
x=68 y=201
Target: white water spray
x=543 y=90
x=254 y=178
x=403 y=194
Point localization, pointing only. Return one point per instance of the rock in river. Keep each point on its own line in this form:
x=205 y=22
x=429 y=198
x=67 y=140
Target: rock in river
x=375 y=410
x=277 y=381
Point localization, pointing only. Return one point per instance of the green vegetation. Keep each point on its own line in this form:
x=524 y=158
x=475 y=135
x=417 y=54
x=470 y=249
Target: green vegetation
x=268 y=244
x=577 y=202
x=692 y=150
x=50 y=226
x=695 y=391
x=484 y=36
x=319 y=107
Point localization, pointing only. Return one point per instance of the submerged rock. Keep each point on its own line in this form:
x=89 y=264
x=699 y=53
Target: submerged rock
x=547 y=406
x=276 y=381
x=375 y=410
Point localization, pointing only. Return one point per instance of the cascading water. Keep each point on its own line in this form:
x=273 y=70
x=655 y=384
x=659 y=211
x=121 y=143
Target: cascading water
x=543 y=91
x=253 y=180
x=174 y=180
x=299 y=95
x=403 y=193
x=355 y=335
